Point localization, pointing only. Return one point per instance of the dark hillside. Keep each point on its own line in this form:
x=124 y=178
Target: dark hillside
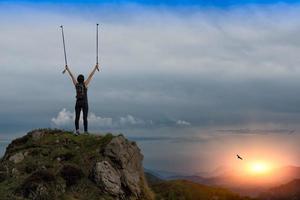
x=54 y=164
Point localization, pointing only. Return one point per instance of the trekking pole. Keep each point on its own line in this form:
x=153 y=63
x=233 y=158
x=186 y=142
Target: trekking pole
x=97 y=48
x=63 y=38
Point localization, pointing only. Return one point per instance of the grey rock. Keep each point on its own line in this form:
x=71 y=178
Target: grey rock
x=36 y=135
x=107 y=178
x=132 y=180
x=127 y=159
x=17 y=157
x=124 y=153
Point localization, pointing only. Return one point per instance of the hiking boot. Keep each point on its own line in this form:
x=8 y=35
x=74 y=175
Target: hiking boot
x=77 y=132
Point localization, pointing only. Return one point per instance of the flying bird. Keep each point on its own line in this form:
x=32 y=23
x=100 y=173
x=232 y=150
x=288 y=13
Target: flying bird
x=239 y=157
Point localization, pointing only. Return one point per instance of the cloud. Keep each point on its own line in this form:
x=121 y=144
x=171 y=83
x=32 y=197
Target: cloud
x=183 y=123
x=256 y=131
x=204 y=41
x=130 y=120
x=100 y=121
x=63 y=118
x=66 y=118
x=182 y=52
x=172 y=139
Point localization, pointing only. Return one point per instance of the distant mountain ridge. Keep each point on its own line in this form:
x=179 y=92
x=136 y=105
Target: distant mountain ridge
x=188 y=190
x=231 y=181
x=163 y=174
x=178 y=189
x=288 y=191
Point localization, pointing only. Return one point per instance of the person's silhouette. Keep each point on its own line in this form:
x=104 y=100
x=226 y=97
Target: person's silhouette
x=81 y=87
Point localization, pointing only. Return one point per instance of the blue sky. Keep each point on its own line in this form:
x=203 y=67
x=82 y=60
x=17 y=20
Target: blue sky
x=192 y=80
x=214 y=3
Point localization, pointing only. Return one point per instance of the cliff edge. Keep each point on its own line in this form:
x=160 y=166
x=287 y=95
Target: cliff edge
x=55 y=164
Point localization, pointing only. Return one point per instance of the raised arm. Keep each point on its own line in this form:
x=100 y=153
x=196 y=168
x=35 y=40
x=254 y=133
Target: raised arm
x=88 y=80
x=71 y=75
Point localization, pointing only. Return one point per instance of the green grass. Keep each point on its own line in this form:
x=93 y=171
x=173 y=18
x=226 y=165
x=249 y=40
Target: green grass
x=186 y=190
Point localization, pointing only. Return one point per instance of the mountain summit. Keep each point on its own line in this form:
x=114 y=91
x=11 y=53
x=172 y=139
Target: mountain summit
x=55 y=164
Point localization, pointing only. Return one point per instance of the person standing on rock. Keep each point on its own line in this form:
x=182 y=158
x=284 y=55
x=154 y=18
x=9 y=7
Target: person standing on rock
x=81 y=87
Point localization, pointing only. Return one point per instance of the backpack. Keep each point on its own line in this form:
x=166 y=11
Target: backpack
x=80 y=91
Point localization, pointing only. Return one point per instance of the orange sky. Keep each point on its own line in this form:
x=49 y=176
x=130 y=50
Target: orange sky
x=220 y=150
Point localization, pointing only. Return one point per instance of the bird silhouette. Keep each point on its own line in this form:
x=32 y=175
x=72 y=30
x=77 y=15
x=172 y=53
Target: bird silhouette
x=239 y=157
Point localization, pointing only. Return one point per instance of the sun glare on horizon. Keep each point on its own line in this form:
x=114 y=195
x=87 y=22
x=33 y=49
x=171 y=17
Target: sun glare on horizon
x=259 y=168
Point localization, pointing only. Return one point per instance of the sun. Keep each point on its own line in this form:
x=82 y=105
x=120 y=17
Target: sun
x=259 y=168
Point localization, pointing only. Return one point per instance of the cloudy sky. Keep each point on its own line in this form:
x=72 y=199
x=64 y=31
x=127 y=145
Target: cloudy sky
x=194 y=79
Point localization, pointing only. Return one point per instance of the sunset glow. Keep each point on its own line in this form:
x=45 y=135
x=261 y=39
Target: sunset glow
x=256 y=172
x=258 y=168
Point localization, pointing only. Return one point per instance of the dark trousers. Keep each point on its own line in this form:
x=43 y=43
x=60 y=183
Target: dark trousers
x=81 y=105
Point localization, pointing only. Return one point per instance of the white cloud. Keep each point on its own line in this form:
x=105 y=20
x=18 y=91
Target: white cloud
x=100 y=121
x=183 y=123
x=242 y=40
x=66 y=118
x=130 y=120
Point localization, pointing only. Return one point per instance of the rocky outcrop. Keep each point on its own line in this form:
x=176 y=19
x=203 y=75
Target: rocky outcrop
x=122 y=172
x=107 y=178
x=54 y=164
